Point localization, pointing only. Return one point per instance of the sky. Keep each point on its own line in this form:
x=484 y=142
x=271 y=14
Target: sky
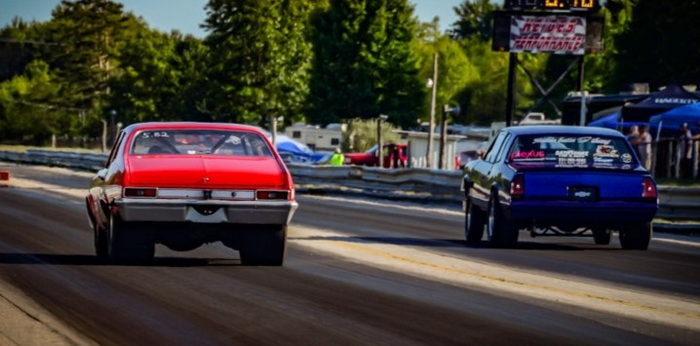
x=186 y=15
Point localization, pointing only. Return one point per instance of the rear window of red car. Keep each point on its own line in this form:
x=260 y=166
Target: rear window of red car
x=199 y=142
x=572 y=151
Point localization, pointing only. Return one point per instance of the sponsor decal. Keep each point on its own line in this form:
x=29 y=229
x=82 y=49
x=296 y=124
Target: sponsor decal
x=527 y=155
x=606 y=151
x=603 y=160
x=626 y=158
x=583 y=139
x=571 y=154
x=573 y=161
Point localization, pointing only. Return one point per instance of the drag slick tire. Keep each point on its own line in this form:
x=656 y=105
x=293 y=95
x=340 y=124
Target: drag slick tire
x=636 y=237
x=263 y=245
x=129 y=242
x=474 y=221
x=500 y=231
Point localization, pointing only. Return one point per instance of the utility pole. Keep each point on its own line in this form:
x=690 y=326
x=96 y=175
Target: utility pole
x=431 y=127
x=443 y=137
x=582 y=120
x=510 y=101
x=274 y=131
x=380 y=144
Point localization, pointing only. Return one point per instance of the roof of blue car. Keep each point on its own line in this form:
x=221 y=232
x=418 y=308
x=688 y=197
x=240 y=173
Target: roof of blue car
x=553 y=129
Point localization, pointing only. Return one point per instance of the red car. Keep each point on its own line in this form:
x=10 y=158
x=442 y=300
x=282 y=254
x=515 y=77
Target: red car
x=395 y=156
x=187 y=184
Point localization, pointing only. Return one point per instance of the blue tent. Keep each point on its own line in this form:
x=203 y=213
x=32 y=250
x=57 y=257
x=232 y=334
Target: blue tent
x=612 y=121
x=659 y=102
x=672 y=120
x=297 y=152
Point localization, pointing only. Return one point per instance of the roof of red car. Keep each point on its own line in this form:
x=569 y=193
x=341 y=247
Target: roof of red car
x=192 y=125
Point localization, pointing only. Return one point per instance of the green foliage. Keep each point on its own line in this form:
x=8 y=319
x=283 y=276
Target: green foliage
x=660 y=45
x=455 y=70
x=362 y=135
x=24 y=109
x=160 y=77
x=261 y=59
x=475 y=18
x=364 y=64
x=322 y=61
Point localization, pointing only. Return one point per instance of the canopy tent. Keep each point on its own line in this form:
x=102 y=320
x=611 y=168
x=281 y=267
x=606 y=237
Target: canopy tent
x=614 y=121
x=672 y=120
x=661 y=101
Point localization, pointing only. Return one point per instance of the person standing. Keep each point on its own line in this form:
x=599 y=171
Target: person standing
x=633 y=137
x=685 y=149
x=337 y=159
x=643 y=146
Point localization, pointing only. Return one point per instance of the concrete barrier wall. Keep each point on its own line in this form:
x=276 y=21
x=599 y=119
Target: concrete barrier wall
x=413 y=184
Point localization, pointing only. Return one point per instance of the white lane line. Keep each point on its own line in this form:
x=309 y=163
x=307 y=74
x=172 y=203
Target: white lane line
x=505 y=281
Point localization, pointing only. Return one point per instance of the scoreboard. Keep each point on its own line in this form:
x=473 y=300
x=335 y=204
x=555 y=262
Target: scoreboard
x=568 y=5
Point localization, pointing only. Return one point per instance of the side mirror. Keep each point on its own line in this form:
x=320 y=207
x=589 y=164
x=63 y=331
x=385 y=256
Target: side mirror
x=102 y=174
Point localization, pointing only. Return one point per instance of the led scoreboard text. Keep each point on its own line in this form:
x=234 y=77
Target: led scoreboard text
x=580 y=5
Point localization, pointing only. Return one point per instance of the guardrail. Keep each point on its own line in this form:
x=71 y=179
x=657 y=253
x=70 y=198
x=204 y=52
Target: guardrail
x=414 y=184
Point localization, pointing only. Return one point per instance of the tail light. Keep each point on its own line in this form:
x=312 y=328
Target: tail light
x=273 y=194
x=649 y=189
x=517 y=187
x=139 y=192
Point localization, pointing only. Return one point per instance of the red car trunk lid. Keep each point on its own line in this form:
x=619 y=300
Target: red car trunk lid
x=206 y=172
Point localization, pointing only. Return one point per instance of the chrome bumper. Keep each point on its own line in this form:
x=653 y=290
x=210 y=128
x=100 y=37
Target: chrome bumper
x=181 y=210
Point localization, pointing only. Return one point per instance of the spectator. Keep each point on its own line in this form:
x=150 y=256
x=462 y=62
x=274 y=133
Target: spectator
x=643 y=146
x=337 y=159
x=633 y=137
x=685 y=148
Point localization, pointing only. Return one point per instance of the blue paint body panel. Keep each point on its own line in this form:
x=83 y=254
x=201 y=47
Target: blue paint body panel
x=553 y=195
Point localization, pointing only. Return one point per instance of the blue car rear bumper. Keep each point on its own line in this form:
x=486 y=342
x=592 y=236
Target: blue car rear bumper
x=582 y=213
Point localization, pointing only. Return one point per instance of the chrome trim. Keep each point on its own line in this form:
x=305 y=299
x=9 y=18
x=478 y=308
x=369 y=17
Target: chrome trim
x=183 y=210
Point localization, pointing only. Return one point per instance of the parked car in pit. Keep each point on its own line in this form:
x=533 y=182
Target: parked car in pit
x=559 y=180
x=395 y=156
x=186 y=184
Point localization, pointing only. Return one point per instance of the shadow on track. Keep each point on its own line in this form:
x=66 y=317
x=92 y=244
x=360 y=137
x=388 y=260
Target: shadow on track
x=90 y=260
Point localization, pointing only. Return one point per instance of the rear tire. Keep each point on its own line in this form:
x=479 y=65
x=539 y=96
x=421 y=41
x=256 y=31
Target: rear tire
x=129 y=242
x=474 y=221
x=263 y=246
x=636 y=237
x=500 y=231
x=101 y=241
x=601 y=236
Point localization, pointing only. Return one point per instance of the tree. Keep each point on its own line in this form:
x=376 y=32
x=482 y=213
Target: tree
x=364 y=63
x=660 y=45
x=455 y=70
x=160 y=77
x=26 y=108
x=260 y=59
x=475 y=18
x=89 y=34
x=361 y=134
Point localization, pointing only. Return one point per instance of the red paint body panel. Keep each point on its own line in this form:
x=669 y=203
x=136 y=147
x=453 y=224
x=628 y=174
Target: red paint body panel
x=231 y=172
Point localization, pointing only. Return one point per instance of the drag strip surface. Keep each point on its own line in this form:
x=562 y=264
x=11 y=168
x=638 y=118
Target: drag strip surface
x=357 y=272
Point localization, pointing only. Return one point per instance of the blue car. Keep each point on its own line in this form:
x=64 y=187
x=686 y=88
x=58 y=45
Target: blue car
x=559 y=180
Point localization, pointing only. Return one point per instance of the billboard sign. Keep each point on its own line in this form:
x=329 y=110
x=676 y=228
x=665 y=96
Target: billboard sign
x=555 y=34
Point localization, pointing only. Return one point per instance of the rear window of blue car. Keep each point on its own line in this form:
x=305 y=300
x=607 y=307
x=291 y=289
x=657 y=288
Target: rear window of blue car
x=572 y=151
